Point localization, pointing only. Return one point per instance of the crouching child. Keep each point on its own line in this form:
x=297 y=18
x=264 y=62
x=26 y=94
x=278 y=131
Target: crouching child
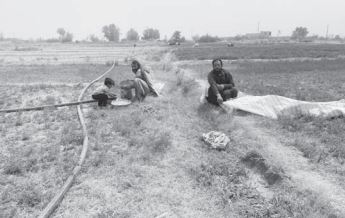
x=103 y=93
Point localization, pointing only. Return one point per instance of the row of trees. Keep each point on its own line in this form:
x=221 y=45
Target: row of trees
x=112 y=33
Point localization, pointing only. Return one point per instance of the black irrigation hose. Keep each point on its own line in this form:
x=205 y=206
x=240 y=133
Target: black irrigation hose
x=46 y=106
x=54 y=203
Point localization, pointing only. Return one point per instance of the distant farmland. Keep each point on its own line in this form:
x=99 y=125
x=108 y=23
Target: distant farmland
x=57 y=53
x=259 y=51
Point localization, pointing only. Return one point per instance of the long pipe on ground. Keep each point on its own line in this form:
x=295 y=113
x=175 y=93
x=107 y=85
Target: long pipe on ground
x=54 y=203
x=48 y=106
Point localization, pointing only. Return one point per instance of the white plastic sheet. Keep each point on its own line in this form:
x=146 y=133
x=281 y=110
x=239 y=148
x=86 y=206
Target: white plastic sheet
x=273 y=105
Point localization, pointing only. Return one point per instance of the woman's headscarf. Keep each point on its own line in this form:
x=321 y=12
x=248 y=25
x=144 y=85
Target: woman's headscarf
x=137 y=63
x=140 y=66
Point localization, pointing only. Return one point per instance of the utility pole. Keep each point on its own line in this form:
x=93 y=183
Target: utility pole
x=258 y=27
x=327 y=31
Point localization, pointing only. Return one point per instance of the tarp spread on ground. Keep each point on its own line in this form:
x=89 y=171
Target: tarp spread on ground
x=273 y=105
x=158 y=86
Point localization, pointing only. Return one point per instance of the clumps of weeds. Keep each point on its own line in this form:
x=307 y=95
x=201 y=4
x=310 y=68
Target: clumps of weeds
x=123 y=128
x=25 y=136
x=154 y=143
x=13 y=167
x=151 y=146
x=207 y=173
x=299 y=204
x=223 y=179
x=327 y=132
x=6 y=196
x=309 y=149
x=137 y=118
x=30 y=165
x=29 y=195
x=23 y=161
x=228 y=182
x=41 y=158
x=49 y=100
x=113 y=213
x=159 y=143
x=97 y=158
x=126 y=125
x=19 y=120
x=289 y=123
x=71 y=134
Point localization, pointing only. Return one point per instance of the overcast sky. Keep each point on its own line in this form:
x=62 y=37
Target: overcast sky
x=40 y=18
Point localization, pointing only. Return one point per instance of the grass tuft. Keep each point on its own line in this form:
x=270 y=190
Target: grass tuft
x=13 y=167
x=30 y=196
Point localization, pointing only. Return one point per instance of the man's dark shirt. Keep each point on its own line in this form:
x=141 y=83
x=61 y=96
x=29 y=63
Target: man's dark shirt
x=223 y=77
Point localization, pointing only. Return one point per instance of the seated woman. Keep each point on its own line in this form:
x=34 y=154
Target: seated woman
x=141 y=84
x=222 y=86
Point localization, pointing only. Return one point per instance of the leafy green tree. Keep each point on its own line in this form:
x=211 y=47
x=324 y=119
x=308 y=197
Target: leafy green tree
x=61 y=32
x=150 y=34
x=299 y=33
x=176 y=38
x=111 y=33
x=93 y=38
x=132 y=35
x=64 y=36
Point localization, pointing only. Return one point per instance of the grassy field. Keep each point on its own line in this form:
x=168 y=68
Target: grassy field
x=302 y=80
x=148 y=159
x=259 y=51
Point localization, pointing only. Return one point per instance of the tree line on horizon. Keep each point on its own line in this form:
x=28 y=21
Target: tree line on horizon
x=111 y=33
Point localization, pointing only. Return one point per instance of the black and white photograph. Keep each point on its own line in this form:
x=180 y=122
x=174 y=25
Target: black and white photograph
x=172 y=109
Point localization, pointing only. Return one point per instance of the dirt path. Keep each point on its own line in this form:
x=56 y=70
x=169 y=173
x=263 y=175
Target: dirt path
x=298 y=169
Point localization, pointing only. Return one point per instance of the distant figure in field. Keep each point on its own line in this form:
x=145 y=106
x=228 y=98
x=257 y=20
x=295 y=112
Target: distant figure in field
x=103 y=93
x=222 y=86
x=142 y=84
